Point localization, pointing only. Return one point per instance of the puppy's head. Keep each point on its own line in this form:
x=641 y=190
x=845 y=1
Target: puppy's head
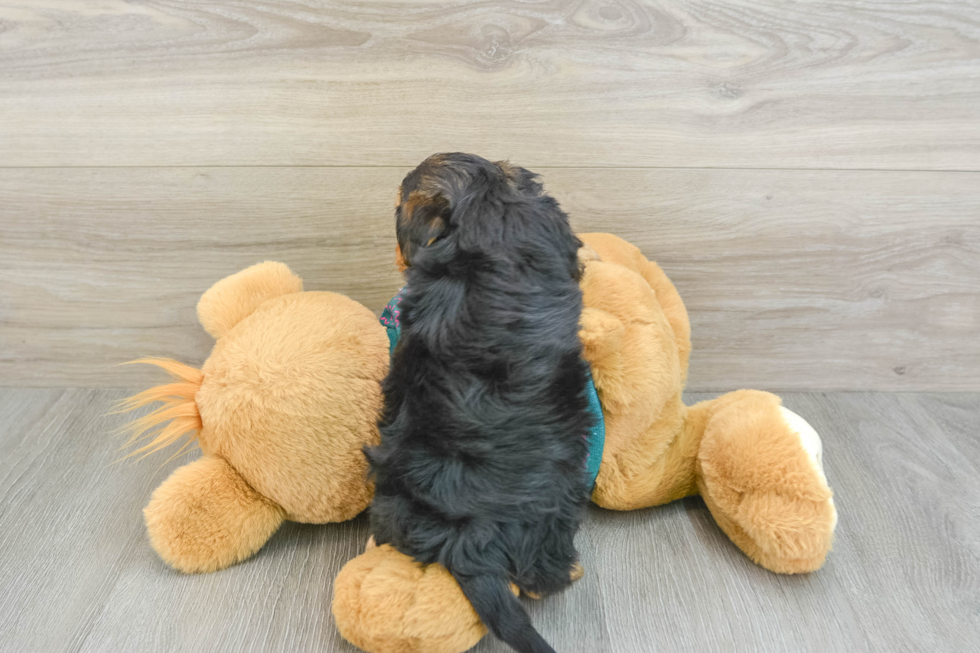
x=457 y=201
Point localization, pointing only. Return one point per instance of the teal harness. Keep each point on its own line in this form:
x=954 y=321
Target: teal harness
x=390 y=319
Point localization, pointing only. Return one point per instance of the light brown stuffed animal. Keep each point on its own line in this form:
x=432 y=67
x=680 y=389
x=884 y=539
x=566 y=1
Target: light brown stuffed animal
x=281 y=410
x=291 y=393
x=756 y=464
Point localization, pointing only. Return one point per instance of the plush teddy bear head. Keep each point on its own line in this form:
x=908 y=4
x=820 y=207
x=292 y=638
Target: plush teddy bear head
x=282 y=409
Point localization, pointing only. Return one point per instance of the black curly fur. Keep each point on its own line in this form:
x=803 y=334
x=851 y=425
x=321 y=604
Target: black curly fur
x=483 y=434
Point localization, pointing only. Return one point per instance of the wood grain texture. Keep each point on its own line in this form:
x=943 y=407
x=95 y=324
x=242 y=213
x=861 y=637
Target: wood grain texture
x=887 y=84
x=76 y=572
x=793 y=279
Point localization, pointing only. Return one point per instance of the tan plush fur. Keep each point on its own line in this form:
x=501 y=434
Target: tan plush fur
x=291 y=396
x=206 y=517
x=737 y=451
x=760 y=486
x=385 y=602
x=234 y=298
x=281 y=409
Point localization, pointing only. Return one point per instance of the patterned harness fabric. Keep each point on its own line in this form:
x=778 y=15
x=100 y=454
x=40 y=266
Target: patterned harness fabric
x=391 y=320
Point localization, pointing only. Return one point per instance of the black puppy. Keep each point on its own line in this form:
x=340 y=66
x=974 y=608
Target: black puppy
x=483 y=434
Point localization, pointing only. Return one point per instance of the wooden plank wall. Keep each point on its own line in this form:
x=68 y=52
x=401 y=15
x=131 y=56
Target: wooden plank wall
x=807 y=173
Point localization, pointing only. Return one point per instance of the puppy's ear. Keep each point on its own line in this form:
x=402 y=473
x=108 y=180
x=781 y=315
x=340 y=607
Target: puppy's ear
x=422 y=220
x=434 y=221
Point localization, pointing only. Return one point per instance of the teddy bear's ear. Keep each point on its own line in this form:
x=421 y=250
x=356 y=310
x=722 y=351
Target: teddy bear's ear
x=234 y=298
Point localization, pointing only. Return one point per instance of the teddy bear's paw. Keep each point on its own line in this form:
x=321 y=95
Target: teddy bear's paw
x=587 y=254
x=385 y=602
x=205 y=517
x=790 y=535
x=761 y=477
x=812 y=445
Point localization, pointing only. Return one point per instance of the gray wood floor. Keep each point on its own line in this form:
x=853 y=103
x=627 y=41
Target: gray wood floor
x=77 y=574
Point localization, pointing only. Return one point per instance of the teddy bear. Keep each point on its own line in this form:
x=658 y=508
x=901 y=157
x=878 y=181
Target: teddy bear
x=290 y=396
x=281 y=410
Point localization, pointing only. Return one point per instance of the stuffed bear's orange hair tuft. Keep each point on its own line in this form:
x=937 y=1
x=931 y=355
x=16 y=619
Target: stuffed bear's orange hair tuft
x=179 y=408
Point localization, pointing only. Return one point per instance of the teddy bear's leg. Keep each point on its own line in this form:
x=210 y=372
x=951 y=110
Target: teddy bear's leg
x=759 y=469
x=205 y=517
x=385 y=602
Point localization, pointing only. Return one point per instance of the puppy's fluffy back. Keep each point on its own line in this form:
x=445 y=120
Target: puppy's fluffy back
x=484 y=429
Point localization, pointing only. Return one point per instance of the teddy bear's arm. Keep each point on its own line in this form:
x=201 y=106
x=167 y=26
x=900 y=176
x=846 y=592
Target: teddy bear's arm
x=614 y=249
x=601 y=334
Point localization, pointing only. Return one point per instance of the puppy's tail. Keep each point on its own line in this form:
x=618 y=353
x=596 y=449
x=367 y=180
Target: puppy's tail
x=502 y=613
